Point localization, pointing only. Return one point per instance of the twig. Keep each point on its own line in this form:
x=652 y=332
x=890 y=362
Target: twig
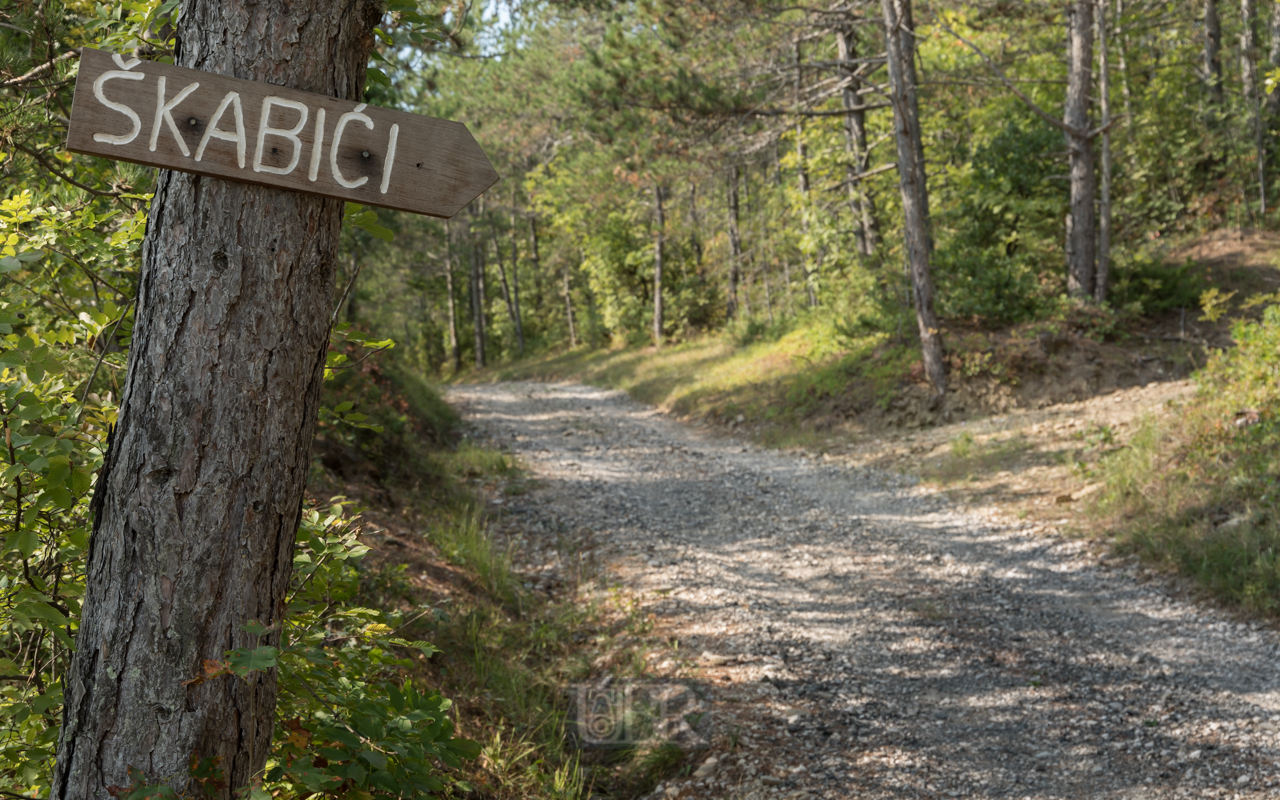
x=1040 y=112
x=40 y=70
x=778 y=112
x=89 y=385
x=362 y=358
x=66 y=178
x=334 y=317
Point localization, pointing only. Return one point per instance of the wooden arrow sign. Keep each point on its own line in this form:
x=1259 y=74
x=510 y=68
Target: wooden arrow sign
x=184 y=119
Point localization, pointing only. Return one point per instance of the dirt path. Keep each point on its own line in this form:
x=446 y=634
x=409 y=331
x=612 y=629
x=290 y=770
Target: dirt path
x=870 y=641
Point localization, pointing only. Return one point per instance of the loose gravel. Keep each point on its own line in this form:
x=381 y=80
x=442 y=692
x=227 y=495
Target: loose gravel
x=862 y=638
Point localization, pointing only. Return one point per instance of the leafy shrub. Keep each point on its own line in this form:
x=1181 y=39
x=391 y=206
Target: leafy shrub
x=1004 y=260
x=1144 y=286
x=1201 y=491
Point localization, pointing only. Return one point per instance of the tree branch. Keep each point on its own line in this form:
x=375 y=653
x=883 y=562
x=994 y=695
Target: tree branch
x=1040 y=112
x=40 y=70
x=66 y=178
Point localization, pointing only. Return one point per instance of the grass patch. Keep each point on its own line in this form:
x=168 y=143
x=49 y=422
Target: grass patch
x=1199 y=491
x=781 y=377
x=969 y=458
x=507 y=656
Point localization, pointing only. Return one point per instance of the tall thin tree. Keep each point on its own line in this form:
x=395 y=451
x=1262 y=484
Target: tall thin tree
x=802 y=159
x=1081 y=219
x=915 y=193
x=860 y=199
x=1249 y=85
x=659 y=224
x=455 y=351
x=1104 y=200
x=515 y=273
x=477 y=299
x=1213 y=56
x=735 y=245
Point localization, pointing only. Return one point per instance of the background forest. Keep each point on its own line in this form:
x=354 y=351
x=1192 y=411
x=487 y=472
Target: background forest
x=672 y=173
x=749 y=151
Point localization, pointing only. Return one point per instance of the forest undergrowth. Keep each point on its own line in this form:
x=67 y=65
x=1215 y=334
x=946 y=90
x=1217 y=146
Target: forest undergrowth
x=507 y=655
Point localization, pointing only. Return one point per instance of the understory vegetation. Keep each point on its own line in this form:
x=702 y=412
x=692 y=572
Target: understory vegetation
x=1199 y=490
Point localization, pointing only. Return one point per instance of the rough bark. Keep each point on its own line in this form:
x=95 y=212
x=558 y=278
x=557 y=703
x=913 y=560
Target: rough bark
x=658 y=242
x=915 y=194
x=1082 y=224
x=1249 y=84
x=197 y=504
x=1104 y=199
x=735 y=244
x=455 y=351
x=860 y=200
x=1213 y=55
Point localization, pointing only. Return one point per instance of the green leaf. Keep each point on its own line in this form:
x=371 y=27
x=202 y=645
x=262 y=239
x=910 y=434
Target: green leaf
x=464 y=747
x=356 y=773
x=60 y=496
x=376 y=760
x=254 y=627
x=44 y=611
x=379 y=77
x=81 y=481
x=24 y=541
x=259 y=659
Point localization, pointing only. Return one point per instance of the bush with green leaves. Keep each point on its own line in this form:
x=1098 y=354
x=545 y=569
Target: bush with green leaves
x=1200 y=490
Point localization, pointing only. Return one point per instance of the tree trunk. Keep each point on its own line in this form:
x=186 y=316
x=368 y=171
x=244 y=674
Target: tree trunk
x=506 y=295
x=860 y=200
x=535 y=262
x=1122 y=49
x=1273 y=98
x=1249 y=83
x=695 y=226
x=568 y=311
x=454 y=350
x=659 y=223
x=1213 y=56
x=810 y=268
x=477 y=301
x=1081 y=227
x=198 y=501
x=1104 y=201
x=350 y=294
x=907 y=26
x=768 y=298
x=515 y=276
x=735 y=244
x=915 y=193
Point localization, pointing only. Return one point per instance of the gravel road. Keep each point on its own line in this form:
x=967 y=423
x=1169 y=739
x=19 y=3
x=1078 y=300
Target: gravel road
x=865 y=639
